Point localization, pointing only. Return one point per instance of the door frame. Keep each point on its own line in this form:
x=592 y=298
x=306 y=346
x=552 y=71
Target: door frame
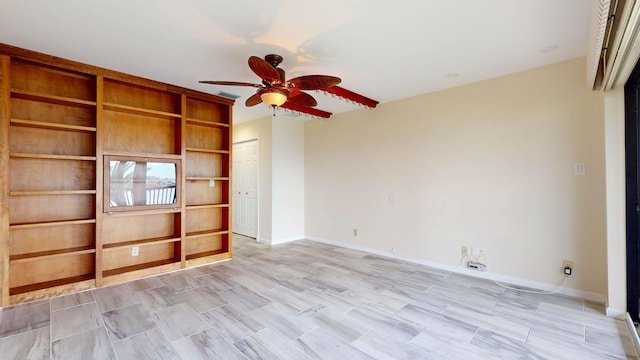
x=632 y=170
x=257 y=139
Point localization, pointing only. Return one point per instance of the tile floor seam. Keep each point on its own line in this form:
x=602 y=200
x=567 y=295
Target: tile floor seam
x=71 y=307
x=50 y=333
x=341 y=287
x=72 y=335
x=128 y=337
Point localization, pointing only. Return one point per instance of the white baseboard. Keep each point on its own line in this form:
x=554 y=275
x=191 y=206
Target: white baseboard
x=634 y=333
x=281 y=241
x=263 y=240
x=611 y=312
x=586 y=295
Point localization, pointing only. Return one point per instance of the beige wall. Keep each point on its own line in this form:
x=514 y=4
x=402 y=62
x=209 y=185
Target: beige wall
x=288 y=179
x=260 y=129
x=488 y=164
x=281 y=179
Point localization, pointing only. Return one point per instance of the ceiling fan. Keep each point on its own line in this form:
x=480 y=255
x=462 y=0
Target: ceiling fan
x=275 y=90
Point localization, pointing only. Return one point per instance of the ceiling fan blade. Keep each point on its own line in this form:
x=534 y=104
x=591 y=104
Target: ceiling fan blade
x=253 y=100
x=233 y=83
x=264 y=69
x=314 y=82
x=307 y=110
x=300 y=98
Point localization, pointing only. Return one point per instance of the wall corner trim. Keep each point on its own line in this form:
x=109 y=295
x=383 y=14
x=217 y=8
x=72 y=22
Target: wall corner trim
x=632 y=330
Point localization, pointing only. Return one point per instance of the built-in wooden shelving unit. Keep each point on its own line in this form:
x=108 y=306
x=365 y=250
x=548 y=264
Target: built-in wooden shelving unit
x=64 y=223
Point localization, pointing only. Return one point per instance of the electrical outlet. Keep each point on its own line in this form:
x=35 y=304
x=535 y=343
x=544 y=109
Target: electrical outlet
x=464 y=251
x=355 y=232
x=567 y=264
x=134 y=251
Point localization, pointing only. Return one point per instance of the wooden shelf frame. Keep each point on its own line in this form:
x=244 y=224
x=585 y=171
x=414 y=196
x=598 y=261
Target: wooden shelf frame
x=138 y=267
x=192 y=121
x=52 y=192
x=141 y=111
x=75 y=107
x=38 y=287
x=206 y=178
x=52 y=125
x=173 y=210
x=51 y=99
x=51 y=224
x=142 y=242
x=206 y=254
x=41 y=255
x=207 y=206
x=52 y=157
x=197 y=234
x=142 y=155
x=209 y=151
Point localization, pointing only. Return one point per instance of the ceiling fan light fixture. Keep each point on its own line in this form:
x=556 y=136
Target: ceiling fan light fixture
x=273 y=96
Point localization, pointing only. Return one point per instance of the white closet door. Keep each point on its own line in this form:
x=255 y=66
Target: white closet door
x=245 y=188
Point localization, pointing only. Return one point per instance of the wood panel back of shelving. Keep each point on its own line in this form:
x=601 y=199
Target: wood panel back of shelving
x=32 y=240
x=51 y=175
x=52 y=113
x=202 y=193
x=203 y=137
x=134 y=133
x=122 y=229
x=121 y=93
x=52 y=81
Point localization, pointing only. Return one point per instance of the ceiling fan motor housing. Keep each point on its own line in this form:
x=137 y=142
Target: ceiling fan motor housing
x=273 y=59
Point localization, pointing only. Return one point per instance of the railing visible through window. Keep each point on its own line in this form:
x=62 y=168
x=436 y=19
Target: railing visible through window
x=134 y=183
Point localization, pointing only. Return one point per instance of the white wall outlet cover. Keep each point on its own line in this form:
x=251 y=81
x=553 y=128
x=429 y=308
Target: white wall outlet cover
x=475 y=251
x=212 y=183
x=393 y=199
x=579 y=168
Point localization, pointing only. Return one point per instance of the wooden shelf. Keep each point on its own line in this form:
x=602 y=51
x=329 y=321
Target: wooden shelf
x=127 y=269
x=51 y=223
x=206 y=123
x=141 y=111
x=52 y=99
x=203 y=178
x=209 y=151
x=206 y=206
x=143 y=155
x=15 y=259
x=206 y=254
x=50 y=284
x=197 y=234
x=53 y=157
x=53 y=192
x=51 y=126
x=124 y=244
x=145 y=212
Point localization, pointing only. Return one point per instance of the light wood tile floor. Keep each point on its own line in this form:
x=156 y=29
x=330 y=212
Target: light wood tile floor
x=307 y=300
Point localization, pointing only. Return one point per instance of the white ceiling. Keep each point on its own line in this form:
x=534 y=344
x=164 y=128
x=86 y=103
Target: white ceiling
x=386 y=50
